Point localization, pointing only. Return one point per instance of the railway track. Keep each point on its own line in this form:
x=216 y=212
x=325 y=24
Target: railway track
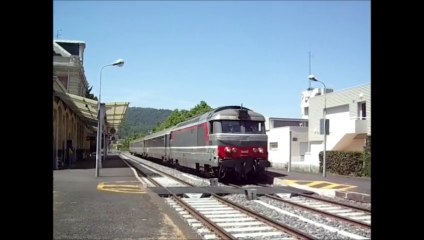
x=216 y=217
x=334 y=210
x=347 y=213
x=237 y=223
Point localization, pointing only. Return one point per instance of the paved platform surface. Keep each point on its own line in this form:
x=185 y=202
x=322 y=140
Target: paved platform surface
x=111 y=206
x=354 y=188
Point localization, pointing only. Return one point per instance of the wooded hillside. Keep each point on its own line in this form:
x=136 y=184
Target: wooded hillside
x=142 y=120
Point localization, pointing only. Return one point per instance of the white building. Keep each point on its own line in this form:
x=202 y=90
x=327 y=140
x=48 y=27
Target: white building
x=287 y=141
x=349 y=115
x=287 y=145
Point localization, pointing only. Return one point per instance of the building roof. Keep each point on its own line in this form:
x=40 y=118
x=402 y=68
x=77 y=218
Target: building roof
x=69 y=41
x=287 y=119
x=60 y=50
x=86 y=108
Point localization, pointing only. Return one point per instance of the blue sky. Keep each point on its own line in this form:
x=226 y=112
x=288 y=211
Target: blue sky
x=255 y=53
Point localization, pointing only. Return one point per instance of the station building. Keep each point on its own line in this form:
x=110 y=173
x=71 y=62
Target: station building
x=74 y=113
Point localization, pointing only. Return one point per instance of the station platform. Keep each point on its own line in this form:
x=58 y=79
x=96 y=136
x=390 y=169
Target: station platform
x=113 y=205
x=354 y=188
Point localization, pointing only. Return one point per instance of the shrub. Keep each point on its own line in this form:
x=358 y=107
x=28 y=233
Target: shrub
x=349 y=163
x=366 y=158
x=343 y=163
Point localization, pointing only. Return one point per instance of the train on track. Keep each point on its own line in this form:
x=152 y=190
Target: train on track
x=228 y=141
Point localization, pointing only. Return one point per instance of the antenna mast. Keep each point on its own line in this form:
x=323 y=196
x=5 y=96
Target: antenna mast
x=309 y=69
x=58 y=34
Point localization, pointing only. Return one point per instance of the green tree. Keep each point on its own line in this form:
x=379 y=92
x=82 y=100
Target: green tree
x=89 y=95
x=178 y=116
x=142 y=120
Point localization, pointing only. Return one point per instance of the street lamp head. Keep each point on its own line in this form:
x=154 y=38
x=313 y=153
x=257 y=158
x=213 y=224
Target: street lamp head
x=312 y=78
x=118 y=63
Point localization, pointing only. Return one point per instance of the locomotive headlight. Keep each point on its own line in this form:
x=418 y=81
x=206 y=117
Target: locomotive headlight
x=234 y=149
x=261 y=150
x=227 y=149
x=255 y=150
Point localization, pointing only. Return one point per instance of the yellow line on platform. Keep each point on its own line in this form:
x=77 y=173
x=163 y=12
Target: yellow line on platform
x=331 y=185
x=290 y=182
x=336 y=186
x=312 y=184
x=121 y=188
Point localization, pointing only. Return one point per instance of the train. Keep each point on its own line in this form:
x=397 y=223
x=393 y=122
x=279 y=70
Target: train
x=229 y=141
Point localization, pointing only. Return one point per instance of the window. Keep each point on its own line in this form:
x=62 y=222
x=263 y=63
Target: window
x=231 y=127
x=306 y=110
x=273 y=145
x=362 y=111
x=252 y=127
x=248 y=127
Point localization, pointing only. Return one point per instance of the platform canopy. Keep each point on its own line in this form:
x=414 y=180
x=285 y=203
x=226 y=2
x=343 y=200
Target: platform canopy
x=115 y=113
x=87 y=110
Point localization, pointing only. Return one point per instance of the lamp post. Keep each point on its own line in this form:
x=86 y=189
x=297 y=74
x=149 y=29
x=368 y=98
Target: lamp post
x=118 y=63
x=324 y=172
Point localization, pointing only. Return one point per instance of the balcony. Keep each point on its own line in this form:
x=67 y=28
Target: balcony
x=360 y=126
x=352 y=139
x=73 y=61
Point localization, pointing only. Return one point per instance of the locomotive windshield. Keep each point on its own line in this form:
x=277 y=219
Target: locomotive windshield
x=229 y=126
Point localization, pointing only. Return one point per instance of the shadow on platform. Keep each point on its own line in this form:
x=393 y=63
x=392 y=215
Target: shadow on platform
x=113 y=161
x=275 y=174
